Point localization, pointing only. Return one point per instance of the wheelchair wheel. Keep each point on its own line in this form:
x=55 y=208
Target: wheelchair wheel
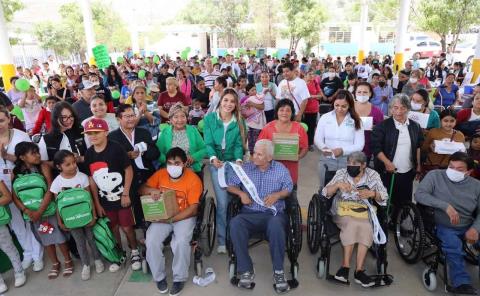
x=208 y=228
x=233 y=209
x=429 y=279
x=409 y=233
x=294 y=241
x=313 y=225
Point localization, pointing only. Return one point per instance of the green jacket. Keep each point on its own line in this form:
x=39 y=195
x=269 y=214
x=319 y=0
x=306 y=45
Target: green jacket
x=213 y=134
x=195 y=141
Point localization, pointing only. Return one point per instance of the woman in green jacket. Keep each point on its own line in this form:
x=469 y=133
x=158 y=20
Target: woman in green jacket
x=224 y=134
x=187 y=137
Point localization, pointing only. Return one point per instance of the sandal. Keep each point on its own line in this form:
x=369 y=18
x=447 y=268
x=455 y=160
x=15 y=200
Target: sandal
x=53 y=274
x=68 y=270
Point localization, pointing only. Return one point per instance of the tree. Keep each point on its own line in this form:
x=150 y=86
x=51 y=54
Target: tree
x=445 y=17
x=303 y=19
x=10 y=7
x=265 y=16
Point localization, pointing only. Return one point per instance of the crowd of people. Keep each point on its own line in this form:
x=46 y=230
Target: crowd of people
x=145 y=125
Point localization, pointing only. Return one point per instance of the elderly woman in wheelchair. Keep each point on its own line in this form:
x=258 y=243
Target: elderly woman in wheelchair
x=353 y=188
x=455 y=199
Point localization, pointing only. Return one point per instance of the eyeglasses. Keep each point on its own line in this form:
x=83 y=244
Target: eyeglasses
x=128 y=116
x=65 y=118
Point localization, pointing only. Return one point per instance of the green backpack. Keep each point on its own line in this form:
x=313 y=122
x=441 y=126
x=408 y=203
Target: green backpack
x=5 y=215
x=30 y=189
x=75 y=207
x=106 y=243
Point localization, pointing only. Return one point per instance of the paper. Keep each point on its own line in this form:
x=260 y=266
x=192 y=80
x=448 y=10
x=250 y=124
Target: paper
x=448 y=147
x=367 y=122
x=420 y=118
x=467 y=79
x=164 y=208
x=285 y=146
x=140 y=147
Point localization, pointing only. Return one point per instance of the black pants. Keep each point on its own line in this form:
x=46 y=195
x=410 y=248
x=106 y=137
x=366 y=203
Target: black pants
x=270 y=115
x=402 y=188
x=311 y=120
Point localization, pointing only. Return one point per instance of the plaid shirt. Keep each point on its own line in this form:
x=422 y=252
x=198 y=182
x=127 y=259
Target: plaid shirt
x=275 y=179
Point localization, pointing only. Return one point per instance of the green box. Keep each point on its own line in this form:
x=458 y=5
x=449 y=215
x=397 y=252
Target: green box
x=164 y=208
x=285 y=146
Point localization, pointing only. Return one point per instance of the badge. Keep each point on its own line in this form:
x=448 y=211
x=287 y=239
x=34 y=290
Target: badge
x=46 y=228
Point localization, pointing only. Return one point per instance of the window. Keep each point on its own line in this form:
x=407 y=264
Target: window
x=434 y=44
x=386 y=37
x=424 y=43
x=339 y=35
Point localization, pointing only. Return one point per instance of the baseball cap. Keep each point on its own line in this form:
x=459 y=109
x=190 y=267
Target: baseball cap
x=95 y=125
x=86 y=84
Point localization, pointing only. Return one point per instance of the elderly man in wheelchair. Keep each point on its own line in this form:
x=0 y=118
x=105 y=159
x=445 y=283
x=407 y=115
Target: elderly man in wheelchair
x=262 y=186
x=455 y=198
x=354 y=215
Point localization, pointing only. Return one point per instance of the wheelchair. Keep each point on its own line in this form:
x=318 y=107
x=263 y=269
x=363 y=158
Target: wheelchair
x=322 y=234
x=415 y=240
x=293 y=234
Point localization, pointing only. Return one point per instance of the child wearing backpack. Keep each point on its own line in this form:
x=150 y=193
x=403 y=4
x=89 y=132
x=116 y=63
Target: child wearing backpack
x=6 y=243
x=45 y=225
x=111 y=176
x=70 y=177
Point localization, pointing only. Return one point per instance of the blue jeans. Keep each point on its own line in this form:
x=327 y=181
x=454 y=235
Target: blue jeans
x=222 y=198
x=452 y=247
x=247 y=223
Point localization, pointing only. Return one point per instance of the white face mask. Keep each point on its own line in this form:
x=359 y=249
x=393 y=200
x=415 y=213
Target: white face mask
x=331 y=74
x=454 y=175
x=416 y=106
x=175 y=171
x=363 y=99
x=413 y=80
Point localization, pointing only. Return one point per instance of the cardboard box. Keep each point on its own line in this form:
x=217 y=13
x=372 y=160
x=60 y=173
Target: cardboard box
x=285 y=146
x=164 y=208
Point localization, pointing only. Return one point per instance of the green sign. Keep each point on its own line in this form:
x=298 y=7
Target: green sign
x=285 y=146
x=100 y=53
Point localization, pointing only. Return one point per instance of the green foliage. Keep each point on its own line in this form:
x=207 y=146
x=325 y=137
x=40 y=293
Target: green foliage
x=10 y=7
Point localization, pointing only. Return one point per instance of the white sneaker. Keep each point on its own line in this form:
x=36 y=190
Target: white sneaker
x=3 y=287
x=20 y=279
x=99 y=266
x=26 y=263
x=136 y=260
x=86 y=273
x=38 y=265
x=221 y=250
x=114 y=267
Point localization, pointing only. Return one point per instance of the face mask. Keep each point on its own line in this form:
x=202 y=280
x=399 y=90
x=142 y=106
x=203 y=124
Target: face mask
x=331 y=74
x=363 y=99
x=454 y=175
x=416 y=106
x=413 y=80
x=175 y=171
x=381 y=83
x=353 y=170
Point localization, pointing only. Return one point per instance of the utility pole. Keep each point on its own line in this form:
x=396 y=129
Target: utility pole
x=6 y=56
x=401 y=34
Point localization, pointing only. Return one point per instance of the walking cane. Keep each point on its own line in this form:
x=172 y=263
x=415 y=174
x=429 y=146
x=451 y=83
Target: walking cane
x=390 y=194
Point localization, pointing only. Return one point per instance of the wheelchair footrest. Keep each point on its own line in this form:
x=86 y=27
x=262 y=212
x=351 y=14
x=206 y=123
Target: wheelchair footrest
x=236 y=282
x=382 y=280
x=293 y=283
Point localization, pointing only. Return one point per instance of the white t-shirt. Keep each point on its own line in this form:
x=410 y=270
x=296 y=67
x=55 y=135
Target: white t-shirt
x=402 y=159
x=7 y=166
x=295 y=90
x=80 y=180
x=474 y=117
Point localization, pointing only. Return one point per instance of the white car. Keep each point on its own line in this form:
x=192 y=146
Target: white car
x=464 y=53
x=425 y=48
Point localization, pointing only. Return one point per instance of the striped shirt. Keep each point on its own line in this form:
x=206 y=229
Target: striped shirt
x=210 y=77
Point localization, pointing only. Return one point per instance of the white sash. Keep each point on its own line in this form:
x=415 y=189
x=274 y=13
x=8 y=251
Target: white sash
x=246 y=181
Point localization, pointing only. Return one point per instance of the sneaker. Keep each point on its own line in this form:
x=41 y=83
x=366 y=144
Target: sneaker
x=114 y=267
x=177 y=288
x=3 y=287
x=99 y=266
x=363 y=279
x=26 y=263
x=85 y=273
x=246 y=279
x=38 y=265
x=20 y=279
x=342 y=274
x=465 y=289
x=162 y=286
x=136 y=260
x=280 y=282
x=221 y=250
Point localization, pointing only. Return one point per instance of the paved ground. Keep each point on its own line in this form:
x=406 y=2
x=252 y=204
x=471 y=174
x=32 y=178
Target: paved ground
x=407 y=277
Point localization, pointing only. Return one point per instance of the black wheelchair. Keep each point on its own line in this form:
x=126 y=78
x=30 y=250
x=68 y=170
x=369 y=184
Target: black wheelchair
x=293 y=244
x=322 y=234
x=415 y=240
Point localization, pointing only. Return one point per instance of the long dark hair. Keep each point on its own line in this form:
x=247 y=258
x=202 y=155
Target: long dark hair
x=113 y=80
x=57 y=112
x=22 y=149
x=347 y=96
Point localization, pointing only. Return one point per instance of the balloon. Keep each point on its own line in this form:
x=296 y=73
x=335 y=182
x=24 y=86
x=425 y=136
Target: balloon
x=17 y=112
x=188 y=49
x=163 y=126
x=156 y=59
x=214 y=60
x=116 y=94
x=184 y=55
x=200 y=125
x=305 y=126
x=120 y=60
x=22 y=84
x=92 y=61
x=141 y=74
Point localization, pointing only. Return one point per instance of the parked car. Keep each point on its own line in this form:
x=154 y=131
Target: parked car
x=424 y=47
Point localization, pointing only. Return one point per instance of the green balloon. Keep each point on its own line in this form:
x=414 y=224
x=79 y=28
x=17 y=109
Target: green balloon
x=214 y=60
x=188 y=49
x=156 y=59
x=116 y=94
x=305 y=126
x=200 y=125
x=17 y=112
x=163 y=126
x=120 y=60
x=22 y=84
x=141 y=74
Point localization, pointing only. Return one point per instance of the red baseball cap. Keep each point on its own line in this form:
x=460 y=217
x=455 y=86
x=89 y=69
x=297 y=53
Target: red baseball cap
x=95 y=125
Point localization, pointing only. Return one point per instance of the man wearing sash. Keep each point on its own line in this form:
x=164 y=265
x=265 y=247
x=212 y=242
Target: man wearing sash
x=262 y=186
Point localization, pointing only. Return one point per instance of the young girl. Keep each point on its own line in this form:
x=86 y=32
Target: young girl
x=252 y=110
x=98 y=106
x=28 y=161
x=7 y=246
x=474 y=152
x=70 y=177
x=31 y=106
